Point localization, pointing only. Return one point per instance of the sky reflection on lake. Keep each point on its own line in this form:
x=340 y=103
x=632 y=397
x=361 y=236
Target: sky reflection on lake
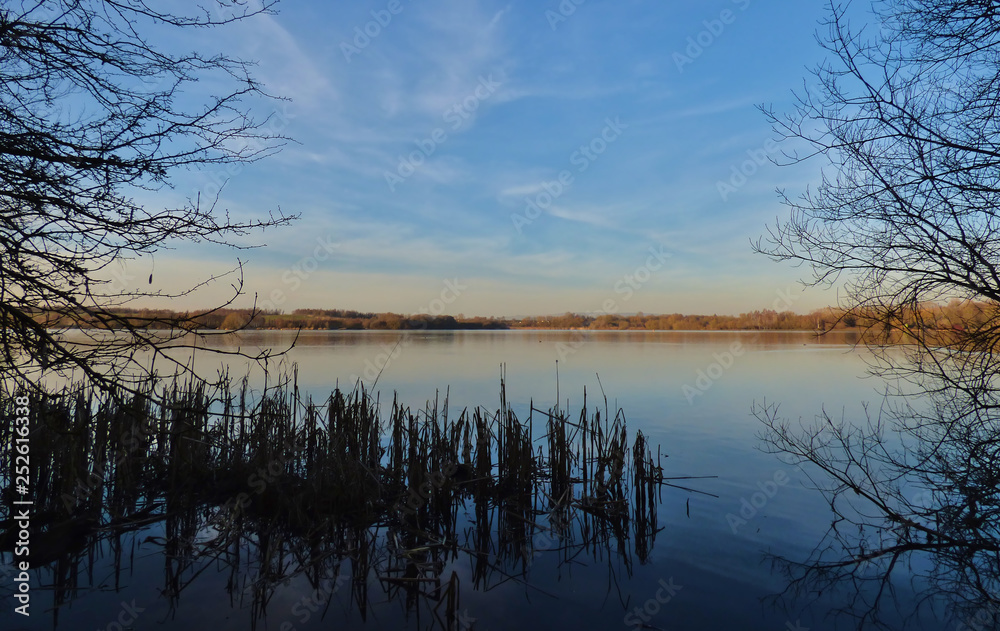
x=707 y=545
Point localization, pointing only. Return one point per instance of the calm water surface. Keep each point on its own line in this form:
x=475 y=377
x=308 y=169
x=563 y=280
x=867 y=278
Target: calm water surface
x=706 y=429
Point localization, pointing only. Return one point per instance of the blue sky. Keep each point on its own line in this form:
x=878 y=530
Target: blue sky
x=420 y=144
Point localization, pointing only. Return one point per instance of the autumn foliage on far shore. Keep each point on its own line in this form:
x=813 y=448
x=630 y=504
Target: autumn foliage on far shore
x=954 y=316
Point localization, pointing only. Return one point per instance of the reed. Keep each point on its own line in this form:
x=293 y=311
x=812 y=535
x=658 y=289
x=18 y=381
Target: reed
x=288 y=487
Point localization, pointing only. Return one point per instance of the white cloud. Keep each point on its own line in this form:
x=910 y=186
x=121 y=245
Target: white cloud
x=598 y=216
x=285 y=67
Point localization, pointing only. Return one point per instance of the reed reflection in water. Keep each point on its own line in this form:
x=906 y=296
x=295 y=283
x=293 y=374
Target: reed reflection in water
x=335 y=498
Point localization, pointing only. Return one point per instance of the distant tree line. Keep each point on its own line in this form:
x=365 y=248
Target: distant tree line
x=932 y=316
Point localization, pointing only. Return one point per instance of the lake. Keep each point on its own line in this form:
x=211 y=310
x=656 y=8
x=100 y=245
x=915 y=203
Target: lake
x=691 y=393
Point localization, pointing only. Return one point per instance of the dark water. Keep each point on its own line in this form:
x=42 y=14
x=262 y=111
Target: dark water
x=689 y=392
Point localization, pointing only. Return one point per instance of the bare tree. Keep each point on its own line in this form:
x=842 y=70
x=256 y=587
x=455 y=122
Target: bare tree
x=92 y=114
x=905 y=216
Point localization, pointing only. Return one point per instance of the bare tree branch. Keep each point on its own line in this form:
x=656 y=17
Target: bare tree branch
x=90 y=114
x=905 y=216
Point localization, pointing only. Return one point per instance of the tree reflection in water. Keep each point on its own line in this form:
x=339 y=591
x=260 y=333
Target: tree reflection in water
x=914 y=494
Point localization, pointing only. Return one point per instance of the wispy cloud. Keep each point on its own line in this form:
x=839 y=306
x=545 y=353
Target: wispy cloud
x=357 y=119
x=285 y=67
x=598 y=216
